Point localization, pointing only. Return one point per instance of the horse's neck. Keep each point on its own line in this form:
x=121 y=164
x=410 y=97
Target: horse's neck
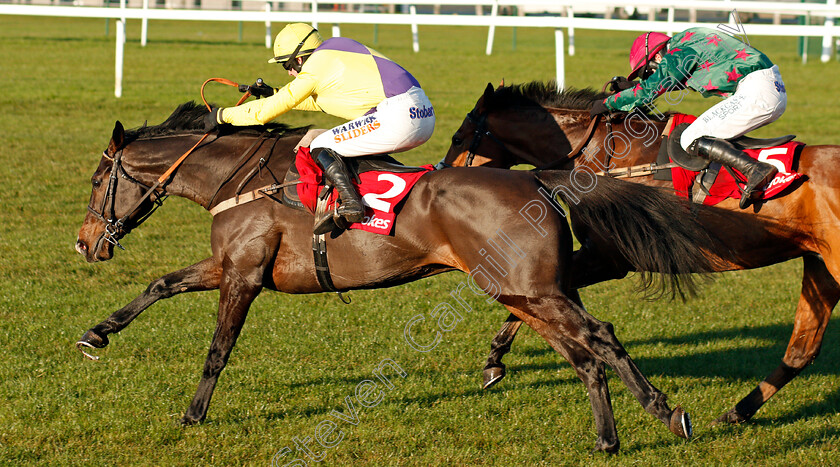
x=620 y=144
x=207 y=171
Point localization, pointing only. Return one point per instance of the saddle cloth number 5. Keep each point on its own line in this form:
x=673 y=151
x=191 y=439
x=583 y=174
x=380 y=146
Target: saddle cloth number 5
x=765 y=154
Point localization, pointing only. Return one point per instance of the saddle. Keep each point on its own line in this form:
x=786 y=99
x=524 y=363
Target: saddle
x=696 y=176
x=382 y=182
x=697 y=163
x=356 y=166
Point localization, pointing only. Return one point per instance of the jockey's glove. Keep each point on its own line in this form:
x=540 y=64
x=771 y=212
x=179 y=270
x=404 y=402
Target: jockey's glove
x=620 y=83
x=598 y=108
x=258 y=89
x=213 y=120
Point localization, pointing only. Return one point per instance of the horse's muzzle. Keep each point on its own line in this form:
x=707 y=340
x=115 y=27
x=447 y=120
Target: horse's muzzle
x=81 y=248
x=93 y=256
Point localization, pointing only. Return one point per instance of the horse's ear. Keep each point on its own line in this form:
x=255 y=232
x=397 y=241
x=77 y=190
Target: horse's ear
x=486 y=100
x=117 y=138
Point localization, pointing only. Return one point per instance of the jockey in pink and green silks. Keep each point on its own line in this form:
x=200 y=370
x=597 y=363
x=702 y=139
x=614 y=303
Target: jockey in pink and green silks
x=713 y=64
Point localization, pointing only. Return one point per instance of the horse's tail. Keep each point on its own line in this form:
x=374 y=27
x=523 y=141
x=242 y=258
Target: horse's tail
x=656 y=232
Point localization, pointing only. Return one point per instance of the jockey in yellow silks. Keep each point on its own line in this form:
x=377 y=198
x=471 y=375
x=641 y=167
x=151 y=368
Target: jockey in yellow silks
x=386 y=108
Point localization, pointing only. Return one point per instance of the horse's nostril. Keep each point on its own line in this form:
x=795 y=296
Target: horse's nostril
x=81 y=248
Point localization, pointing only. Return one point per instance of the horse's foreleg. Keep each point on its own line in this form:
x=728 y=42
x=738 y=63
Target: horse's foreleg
x=820 y=292
x=204 y=275
x=236 y=295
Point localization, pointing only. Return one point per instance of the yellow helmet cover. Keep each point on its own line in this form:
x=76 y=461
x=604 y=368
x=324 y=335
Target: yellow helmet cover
x=295 y=40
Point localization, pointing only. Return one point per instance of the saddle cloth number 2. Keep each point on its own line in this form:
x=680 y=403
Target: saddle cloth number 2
x=378 y=201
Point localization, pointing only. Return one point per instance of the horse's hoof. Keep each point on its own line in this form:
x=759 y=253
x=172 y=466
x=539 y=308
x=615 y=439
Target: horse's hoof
x=609 y=448
x=493 y=375
x=732 y=418
x=91 y=340
x=94 y=340
x=681 y=423
x=188 y=421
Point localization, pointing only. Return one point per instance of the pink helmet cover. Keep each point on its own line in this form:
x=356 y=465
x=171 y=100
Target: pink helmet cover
x=652 y=42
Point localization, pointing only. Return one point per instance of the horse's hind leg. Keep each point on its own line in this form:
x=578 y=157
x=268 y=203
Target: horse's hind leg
x=204 y=275
x=582 y=339
x=591 y=372
x=820 y=293
x=587 y=268
x=494 y=369
x=588 y=369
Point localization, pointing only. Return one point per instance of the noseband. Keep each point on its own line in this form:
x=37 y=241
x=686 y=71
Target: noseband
x=115 y=229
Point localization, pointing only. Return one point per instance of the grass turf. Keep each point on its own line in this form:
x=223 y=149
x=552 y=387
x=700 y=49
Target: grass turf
x=300 y=356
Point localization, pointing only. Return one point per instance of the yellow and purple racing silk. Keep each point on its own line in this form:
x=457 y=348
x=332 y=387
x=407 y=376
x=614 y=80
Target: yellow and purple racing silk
x=342 y=77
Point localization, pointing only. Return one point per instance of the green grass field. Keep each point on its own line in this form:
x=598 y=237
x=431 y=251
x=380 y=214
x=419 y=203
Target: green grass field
x=300 y=356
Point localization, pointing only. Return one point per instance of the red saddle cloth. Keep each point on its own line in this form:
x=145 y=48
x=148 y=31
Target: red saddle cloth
x=725 y=186
x=381 y=192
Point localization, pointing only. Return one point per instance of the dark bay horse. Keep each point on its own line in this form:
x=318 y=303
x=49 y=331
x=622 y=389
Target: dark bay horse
x=442 y=226
x=535 y=124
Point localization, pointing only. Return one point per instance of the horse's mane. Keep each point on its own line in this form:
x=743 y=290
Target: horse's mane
x=188 y=118
x=546 y=94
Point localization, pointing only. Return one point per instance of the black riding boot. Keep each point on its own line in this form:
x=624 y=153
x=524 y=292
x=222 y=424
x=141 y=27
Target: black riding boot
x=336 y=173
x=719 y=150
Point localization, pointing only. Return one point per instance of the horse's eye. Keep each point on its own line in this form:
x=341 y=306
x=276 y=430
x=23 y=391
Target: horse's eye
x=96 y=183
x=457 y=141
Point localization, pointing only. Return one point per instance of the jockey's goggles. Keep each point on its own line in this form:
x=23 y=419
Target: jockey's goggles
x=290 y=63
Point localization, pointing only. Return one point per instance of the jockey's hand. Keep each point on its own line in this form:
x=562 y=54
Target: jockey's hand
x=308 y=138
x=258 y=89
x=620 y=83
x=212 y=120
x=598 y=108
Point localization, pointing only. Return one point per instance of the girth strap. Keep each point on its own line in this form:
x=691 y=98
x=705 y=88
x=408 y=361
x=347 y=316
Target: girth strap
x=637 y=170
x=319 y=251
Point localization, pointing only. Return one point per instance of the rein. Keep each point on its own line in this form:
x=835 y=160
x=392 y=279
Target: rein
x=577 y=149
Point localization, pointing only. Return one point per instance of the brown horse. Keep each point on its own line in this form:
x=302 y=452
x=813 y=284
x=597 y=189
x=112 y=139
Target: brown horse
x=536 y=124
x=443 y=225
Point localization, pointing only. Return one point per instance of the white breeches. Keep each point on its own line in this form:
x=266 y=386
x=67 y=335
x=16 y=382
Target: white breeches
x=759 y=99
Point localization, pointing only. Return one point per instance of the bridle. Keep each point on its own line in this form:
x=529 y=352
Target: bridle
x=480 y=132
x=115 y=229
